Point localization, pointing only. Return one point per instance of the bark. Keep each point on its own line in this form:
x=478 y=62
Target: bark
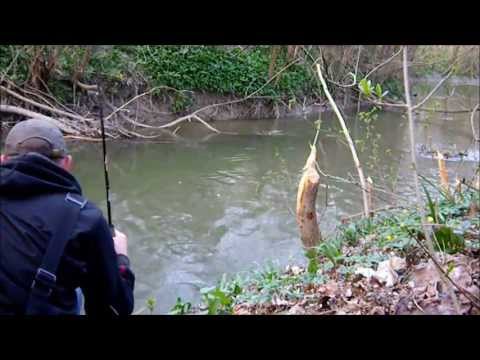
x=306 y=200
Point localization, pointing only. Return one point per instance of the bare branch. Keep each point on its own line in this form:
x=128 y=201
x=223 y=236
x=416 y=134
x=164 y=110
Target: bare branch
x=349 y=140
x=440 y=83
x=4 y=74
x=44 y=107
x=24 y=112
x=382 y=64
x=472 y=119
x=137 y=97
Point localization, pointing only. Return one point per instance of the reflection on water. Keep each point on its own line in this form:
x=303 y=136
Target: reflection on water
x=205 y=205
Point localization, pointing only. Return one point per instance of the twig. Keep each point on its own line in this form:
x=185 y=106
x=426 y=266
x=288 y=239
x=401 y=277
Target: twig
x=448 y=111
x=44 y=107
x=472 y=117
x=84 y=138
x=354 y=82
x=24 y=112
x=440 y=83
x=17 y=53
x=384 y=208
x=383 y=63
x=135 y=98
x=204 y=123
x=356 y=183
x=349 y=140
x=474 y=299
x=48 y=94
x=416 y=304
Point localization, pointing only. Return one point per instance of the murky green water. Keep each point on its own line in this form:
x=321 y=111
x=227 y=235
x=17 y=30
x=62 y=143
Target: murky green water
x=203 y=205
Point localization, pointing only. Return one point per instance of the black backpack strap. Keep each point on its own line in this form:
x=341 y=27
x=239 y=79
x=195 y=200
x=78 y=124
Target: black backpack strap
x=45 y=278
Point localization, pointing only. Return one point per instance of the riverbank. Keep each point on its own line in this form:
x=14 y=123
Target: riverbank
x=166 y=82
x=370 y=266
x=145 y=86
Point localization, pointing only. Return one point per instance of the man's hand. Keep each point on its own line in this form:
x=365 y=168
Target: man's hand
x=120 y=241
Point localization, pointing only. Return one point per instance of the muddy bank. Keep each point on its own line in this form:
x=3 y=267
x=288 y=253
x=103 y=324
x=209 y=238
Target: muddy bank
x=130 y=107
x=157 y=110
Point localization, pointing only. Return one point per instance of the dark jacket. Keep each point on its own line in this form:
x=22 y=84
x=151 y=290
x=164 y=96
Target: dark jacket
x=32 y=192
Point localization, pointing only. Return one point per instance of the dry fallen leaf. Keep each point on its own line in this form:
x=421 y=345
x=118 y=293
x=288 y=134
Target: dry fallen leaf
x=296 y=310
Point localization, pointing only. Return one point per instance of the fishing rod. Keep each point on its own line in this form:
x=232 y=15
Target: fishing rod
x=105 y=165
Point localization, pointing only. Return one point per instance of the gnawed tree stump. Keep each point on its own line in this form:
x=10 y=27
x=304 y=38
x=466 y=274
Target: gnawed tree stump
x=442 y=169
x=306 y=198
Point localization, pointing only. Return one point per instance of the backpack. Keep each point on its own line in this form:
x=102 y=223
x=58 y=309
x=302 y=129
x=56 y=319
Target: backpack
x=45 y=278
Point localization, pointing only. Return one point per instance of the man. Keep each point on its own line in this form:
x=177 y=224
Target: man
x=53 y=241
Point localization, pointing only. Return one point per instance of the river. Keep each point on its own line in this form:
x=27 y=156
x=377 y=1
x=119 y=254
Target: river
x=202 y=205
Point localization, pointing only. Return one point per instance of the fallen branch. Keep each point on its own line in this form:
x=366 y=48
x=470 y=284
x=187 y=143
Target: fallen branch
x=24 y=112
x=133 y=99
x=44 y=107
x=86 y=87
x=83 y=138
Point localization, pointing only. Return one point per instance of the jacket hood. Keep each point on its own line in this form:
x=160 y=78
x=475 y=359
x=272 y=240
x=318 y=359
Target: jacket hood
x=34 y=174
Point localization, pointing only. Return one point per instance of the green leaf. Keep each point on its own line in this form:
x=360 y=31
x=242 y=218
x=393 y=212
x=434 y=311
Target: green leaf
x=449 y=241
x=431 y=204
x=365 y=87
x=378 y=90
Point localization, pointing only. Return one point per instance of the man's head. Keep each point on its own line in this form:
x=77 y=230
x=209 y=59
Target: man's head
x=38 y=136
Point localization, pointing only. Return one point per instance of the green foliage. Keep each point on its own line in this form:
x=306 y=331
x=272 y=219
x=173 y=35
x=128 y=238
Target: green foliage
x=446 y=240
x=18 y=71
x=151 y=303
x=180 y=308
x=219 y=299
x=394 y=88
x=313 y=266
x=387 y=232
x=352 y=232
x=114 y=64
x=369 y=90
x=181 y=102
x=366 y=87
x=332 y=250
x=216 y=70
x=370 y=115
x=5 y=56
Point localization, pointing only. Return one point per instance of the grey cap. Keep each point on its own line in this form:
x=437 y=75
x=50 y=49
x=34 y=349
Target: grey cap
x=36 y=135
